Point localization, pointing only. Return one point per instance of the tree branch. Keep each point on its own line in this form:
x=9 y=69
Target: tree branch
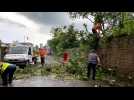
x=89 y=19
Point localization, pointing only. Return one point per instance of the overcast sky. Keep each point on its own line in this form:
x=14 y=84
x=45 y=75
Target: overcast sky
x=16 y=26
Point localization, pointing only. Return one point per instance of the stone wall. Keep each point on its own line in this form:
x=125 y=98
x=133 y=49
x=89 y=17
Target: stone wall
x=119 y=53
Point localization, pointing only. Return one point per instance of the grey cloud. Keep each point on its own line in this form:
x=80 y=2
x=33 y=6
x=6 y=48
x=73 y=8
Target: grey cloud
x=48 y=18
x=11 y=22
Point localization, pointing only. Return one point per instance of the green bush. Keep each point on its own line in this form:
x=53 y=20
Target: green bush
x=76 y=65
x=103 y=73
x=128 y=29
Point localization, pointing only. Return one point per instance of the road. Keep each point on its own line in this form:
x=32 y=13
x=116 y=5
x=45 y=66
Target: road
x=49 y=60
x=40 y=81
x=48 y=81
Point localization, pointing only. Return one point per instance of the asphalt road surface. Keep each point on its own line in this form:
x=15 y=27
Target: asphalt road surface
x=47 y=81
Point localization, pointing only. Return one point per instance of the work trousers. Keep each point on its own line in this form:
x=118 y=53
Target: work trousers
x=91 y=67
x=42 y=60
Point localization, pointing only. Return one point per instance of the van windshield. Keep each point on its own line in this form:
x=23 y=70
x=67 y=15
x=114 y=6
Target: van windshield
x=17 y=50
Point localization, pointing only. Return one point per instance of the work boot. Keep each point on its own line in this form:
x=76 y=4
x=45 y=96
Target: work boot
x=10 y=82
x=5 y=84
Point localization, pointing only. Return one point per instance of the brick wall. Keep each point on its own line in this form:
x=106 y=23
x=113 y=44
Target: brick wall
x=119 y=53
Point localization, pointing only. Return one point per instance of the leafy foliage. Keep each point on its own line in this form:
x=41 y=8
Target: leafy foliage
x=69 y=37
x=114 y=24
x=111 y=19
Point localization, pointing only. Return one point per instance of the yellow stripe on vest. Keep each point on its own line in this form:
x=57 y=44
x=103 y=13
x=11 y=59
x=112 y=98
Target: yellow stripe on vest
x=4 y=66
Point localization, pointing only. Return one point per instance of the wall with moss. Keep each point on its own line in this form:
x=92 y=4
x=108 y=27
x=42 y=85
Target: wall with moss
x=119 y=53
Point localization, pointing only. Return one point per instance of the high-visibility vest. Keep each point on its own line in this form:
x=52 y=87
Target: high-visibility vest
x=4 y=66
x=42 y=52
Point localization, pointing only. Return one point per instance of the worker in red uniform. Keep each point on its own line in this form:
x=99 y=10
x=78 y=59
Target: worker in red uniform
x=65 y=57
x=42 y=55
x=97 y=28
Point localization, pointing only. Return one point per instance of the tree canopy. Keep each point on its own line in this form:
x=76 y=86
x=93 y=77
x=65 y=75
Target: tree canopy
x=112 y=24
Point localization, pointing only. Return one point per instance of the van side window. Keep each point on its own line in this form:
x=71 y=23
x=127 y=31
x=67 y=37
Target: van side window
x=29 y=51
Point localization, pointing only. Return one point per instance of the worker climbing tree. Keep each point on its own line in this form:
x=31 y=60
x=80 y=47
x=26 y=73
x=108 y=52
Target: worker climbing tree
x=97 y=28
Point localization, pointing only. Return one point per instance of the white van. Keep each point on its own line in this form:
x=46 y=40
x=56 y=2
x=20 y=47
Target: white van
x=20 y=55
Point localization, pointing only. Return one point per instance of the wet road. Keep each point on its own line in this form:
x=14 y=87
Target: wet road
x=48 y=81
x=49 y=60
x=40 y=81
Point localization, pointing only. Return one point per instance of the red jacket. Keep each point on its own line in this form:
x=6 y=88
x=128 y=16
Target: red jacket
x=66 y=55
x=42 y=52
